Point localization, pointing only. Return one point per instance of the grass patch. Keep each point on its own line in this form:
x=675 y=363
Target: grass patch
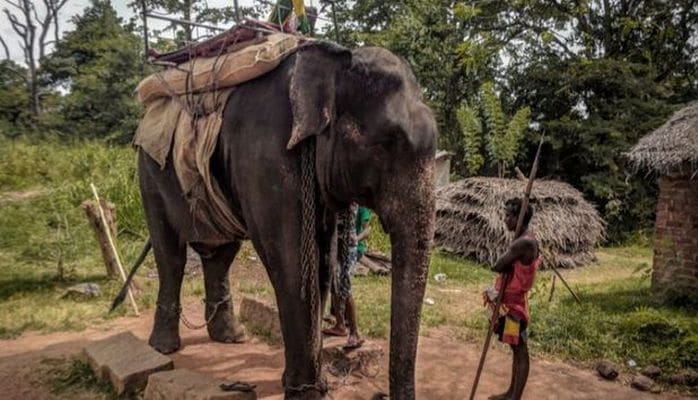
x=46 y=244
x=616 y=320
x=73 y=378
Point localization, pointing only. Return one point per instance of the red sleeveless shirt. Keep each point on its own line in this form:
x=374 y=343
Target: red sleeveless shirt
x=515 y=297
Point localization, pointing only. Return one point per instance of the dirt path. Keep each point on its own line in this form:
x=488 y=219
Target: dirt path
x=445 y=367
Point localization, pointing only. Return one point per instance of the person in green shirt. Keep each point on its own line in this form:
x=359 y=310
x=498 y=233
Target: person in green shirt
x=352 y=231
x=362 y=231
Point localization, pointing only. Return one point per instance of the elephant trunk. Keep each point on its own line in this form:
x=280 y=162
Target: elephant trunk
x=410 y=220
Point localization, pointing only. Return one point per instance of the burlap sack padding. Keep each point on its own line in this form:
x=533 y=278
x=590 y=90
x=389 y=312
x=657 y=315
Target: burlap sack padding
x=188 y=123
x=167 y=125
x=210 y=73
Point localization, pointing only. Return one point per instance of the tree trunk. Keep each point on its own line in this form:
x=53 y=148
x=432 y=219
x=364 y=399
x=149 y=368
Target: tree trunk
x=93 y=215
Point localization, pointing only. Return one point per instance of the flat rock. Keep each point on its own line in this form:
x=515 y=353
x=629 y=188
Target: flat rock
x=262 y=318
x=125 y=361
x=642 y=383
x=183 y=384
x=689 y=378
x=83 y=291
x=651 y=371
x=607 y=370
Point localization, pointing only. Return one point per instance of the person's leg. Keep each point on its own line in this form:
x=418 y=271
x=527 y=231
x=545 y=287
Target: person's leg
x=343 y=293
x=507 y=395
x=499 y=331
x=354 y=341
x=339 y=328
x=521 y=362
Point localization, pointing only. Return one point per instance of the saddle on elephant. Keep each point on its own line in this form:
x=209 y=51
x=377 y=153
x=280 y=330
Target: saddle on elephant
x=184 y=106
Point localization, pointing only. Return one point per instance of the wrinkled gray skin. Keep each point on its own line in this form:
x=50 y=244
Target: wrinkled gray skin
x=375 y=144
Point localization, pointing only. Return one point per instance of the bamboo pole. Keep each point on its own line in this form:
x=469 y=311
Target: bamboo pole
x=113 y=247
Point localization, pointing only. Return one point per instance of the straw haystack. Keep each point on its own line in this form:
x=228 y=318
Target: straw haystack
x=470 y=220
x=672 y=152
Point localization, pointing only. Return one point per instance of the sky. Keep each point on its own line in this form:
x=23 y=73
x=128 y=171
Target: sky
x=75 y=7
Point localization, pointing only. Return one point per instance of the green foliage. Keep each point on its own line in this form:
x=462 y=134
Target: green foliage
x=47 y=244
x=472 y=138
x=503 y=139
x=15 y=113
x=595 y=79
x=101 y=64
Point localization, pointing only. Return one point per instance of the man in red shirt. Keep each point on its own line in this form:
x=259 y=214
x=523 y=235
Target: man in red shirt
x=518 y=268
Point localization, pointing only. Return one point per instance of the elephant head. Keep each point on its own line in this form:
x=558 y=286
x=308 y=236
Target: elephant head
x=375 y=144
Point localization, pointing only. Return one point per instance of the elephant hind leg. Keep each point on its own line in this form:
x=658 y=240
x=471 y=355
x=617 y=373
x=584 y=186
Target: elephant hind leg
x=170 y=257
x=223 y=326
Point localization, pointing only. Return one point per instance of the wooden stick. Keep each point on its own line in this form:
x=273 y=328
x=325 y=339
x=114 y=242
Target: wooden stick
x=113 y=247
x=564 y=282
x=552 y=289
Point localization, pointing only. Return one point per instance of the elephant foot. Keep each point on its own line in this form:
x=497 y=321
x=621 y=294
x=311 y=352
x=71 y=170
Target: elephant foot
x=165 y=336
x=165 y=342
x=224 y=327
x=232 y=333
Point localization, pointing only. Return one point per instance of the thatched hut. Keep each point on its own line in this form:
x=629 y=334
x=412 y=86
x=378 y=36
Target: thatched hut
x=470 y=220
x=671 y=152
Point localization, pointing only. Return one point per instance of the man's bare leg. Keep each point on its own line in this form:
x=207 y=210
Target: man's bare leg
x=507 y=395
x=339 y=328
x=521 y=361
x=354 y=341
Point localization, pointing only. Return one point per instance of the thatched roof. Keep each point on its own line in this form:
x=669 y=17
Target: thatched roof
x=470 y=220
x=673 y=147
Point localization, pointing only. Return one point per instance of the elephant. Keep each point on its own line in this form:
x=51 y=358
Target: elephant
x=373 y=139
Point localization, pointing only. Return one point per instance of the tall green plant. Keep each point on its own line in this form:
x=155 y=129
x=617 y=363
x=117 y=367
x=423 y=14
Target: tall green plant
x=471 y=126
x=502 y=139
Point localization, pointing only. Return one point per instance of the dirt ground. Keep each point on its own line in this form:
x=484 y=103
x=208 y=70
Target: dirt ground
x=445 y=368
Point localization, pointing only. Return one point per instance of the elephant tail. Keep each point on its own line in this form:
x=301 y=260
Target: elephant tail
x=124 y=289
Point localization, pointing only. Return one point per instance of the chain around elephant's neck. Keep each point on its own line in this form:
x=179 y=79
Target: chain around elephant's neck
x=309 y=250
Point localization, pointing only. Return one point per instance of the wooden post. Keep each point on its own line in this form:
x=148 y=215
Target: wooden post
x=93 y=215
x=112 y=247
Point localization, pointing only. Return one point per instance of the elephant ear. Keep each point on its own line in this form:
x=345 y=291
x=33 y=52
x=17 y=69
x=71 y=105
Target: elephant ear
x=313 y=88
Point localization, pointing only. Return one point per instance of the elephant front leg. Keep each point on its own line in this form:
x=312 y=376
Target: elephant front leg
x=300 y=326
x=223 y=326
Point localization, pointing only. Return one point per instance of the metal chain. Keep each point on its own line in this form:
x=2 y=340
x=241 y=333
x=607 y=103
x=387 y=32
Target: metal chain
x=320 y=387
x=192 y=326
x=309 y=256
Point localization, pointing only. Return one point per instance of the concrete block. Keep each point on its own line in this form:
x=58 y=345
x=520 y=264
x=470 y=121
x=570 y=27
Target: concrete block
x=183 y=384
x=262 y=318
x=125 y=361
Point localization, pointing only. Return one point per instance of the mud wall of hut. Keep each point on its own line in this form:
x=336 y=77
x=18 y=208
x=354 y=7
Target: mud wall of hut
x=675 y=270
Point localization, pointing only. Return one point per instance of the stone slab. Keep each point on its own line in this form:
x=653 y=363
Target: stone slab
x=125 y=361
x=184 y=384
x=262 y=318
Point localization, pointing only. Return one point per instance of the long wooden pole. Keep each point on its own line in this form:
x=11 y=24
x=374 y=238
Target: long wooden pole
x=564 y=282
x=113 y=247
x=498 y=302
